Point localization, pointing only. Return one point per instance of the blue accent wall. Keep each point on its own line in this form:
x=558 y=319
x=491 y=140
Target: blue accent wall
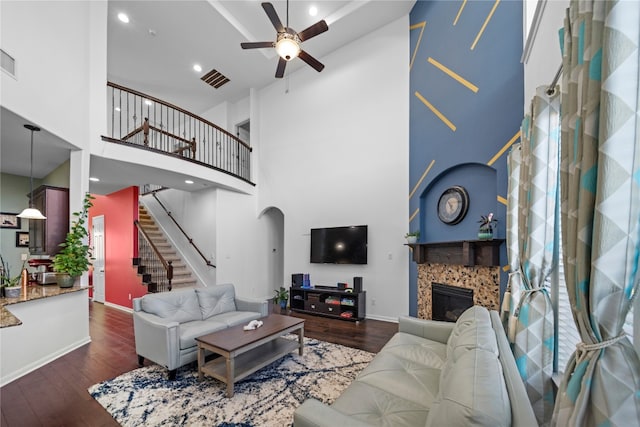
x=466 y=106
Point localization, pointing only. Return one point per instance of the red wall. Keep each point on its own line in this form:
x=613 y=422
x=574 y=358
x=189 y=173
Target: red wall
x=120 y=209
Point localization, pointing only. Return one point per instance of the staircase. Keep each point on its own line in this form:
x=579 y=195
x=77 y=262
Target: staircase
x=182 y=276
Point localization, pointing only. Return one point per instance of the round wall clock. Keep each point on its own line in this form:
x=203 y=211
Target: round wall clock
x=453 y=205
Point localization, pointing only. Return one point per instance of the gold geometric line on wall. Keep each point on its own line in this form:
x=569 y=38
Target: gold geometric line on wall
x=421 y=178
x=413 y=215
x=436 y=112
x=459 y=12
x=486 y=21
x=415 y=51
x=457 y=77
x=502 y=200
x=504 y=148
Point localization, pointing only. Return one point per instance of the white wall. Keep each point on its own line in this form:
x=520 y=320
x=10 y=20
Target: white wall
x=544 y=57
x=340 y=157
x=51 y=49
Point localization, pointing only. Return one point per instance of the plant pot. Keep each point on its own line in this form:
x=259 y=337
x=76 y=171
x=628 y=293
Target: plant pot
x=485 y=235
x=65 y=280
x=283 y=305
x=412 y=239
x=12 y=291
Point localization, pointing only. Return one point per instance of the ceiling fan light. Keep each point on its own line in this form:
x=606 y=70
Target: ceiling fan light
x=287 y=48
x=31 y=213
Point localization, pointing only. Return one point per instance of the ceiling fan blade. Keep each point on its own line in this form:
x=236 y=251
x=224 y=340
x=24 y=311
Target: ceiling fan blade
x=317 y=28
x=280 y=70
x=317 y=65
x=256 y=45
x=273 y=16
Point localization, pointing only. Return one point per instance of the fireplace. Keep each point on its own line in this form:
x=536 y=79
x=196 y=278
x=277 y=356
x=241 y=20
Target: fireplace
x=449 y=302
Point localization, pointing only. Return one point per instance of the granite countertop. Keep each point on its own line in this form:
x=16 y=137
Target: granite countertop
x=33 y=292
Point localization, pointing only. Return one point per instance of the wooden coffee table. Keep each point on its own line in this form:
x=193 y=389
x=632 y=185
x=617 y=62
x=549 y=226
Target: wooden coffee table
x=244 y=352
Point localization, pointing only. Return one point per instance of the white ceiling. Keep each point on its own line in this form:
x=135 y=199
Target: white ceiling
x=155 y=52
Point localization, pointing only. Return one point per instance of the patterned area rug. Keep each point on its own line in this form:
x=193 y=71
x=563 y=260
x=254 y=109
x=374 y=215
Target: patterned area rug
x=268 y=397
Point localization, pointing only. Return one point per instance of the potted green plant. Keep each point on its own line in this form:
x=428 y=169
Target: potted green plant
x=281 y=297
x=75 y=256
x=412 y=237
x=485 y=232
x=10 y=285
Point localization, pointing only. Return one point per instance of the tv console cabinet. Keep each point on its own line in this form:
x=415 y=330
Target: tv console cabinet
x=332 y=302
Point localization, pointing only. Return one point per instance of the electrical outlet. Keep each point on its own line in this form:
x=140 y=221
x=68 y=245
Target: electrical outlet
x=390 y=256
x=24 y=257
x=373 y=301
x=129 y=297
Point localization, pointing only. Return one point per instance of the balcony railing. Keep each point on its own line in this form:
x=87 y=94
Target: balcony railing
x=146 y=122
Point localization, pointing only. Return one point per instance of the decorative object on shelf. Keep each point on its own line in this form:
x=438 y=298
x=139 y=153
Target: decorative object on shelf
x=453 y=205
x=9 y=220
x=75 y=256
x=486 y=227
x=31 y=212
x=281 y=297
x=10 y=285
x=22 y=239
x=412 y=237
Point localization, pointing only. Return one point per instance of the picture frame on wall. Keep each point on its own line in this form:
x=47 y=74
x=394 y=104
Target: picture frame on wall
x=9 y=220
x=22 y=239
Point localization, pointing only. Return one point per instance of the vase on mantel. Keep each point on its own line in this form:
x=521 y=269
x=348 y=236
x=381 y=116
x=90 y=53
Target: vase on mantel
x=485 y=234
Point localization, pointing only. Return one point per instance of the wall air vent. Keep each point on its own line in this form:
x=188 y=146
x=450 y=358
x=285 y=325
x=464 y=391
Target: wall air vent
x=7 y=63
x=215 y=78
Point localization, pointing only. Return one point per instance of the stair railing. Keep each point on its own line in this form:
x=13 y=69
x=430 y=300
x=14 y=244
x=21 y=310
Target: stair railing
x=184 y=233
x=156 y=272
x=140 y=120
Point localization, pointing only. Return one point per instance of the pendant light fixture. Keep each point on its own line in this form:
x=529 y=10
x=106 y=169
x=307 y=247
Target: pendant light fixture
x=31 y=212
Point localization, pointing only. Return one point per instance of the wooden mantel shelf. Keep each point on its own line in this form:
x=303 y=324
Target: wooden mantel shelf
x=468 y=253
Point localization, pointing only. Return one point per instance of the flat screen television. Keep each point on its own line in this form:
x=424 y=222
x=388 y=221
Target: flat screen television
x=339 y=245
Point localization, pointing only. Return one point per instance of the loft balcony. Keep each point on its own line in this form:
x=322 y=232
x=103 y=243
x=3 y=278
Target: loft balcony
x=147 y=123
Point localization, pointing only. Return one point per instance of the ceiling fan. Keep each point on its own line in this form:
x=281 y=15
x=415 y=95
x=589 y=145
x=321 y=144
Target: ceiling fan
x=288 y=41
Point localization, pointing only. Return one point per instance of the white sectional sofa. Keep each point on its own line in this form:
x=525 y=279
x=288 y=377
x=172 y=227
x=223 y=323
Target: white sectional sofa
x=433 y=374
x=167 y=324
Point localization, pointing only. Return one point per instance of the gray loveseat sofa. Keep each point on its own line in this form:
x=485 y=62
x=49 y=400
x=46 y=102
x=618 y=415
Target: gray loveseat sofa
x=166 y=324
x=433 y=374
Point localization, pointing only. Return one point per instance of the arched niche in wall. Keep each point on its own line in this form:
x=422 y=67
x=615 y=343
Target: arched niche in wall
x=271 y=230
x=480 y=181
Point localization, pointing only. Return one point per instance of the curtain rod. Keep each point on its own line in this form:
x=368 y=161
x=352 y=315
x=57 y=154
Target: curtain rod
x=552 y=86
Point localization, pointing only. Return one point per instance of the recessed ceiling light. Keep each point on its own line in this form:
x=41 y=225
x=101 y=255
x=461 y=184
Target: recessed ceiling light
x=94 y=179
x=313 y=11
x=123 y=17
x=197 y=67
x=188 y=181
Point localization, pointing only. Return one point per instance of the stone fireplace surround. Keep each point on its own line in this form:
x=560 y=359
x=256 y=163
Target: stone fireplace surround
x=468 y=264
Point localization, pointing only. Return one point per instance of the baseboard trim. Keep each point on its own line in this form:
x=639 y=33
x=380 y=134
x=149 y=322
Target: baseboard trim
x=382 y=318
x=118 y=307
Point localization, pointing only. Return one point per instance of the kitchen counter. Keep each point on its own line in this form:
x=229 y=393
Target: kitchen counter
x=34 y=292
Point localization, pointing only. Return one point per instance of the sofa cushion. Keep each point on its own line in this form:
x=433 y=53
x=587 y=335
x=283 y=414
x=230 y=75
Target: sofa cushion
x=417 y=349
x=178 y=306
x=404 y=378
x=216 y=299
x=377 y=407
x=233 y=318
x=472 y=393
x=473 y=328
x=189 y=331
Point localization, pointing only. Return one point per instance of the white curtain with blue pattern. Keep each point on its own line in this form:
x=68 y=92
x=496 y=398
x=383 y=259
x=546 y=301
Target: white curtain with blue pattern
x=534 y=329
x=600 y=186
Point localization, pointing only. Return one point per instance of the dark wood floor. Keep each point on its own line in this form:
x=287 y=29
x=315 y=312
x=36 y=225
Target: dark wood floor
x=56 y=394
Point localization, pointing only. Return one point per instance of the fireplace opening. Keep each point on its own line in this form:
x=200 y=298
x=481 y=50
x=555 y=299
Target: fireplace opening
x=449 y=302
